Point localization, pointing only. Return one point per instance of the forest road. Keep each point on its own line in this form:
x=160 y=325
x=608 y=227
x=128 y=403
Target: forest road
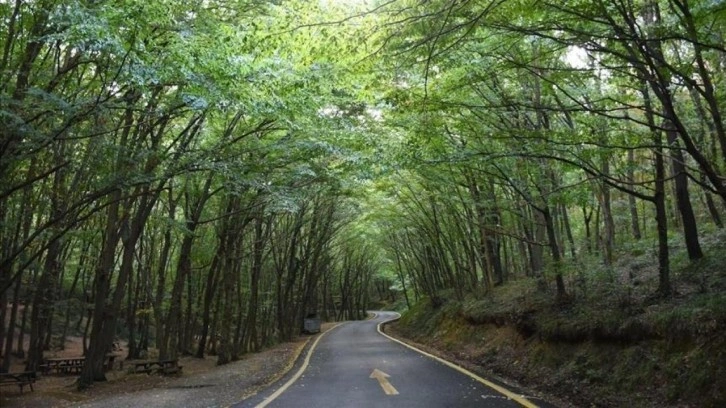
x=354 y=365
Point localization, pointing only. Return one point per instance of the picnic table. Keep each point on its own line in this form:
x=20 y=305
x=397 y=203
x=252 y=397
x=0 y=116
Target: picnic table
x=20 y=379
x=160 y=366
x=71 y=365
x=64 y=365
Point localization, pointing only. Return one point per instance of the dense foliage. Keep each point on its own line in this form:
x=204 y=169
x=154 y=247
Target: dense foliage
x=545 y=132
x=175 y=173
x=200 y=176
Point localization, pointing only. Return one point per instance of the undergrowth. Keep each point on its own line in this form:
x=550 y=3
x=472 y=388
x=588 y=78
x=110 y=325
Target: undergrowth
x=612 y=344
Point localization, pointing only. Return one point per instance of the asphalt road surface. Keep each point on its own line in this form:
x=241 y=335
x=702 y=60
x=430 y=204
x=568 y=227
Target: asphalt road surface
x=353 y=365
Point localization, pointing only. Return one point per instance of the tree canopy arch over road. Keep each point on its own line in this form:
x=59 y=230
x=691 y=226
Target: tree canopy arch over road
x=199 y=176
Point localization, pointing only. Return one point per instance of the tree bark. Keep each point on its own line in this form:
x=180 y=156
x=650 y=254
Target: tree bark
x=632 y=204
x=683 y=199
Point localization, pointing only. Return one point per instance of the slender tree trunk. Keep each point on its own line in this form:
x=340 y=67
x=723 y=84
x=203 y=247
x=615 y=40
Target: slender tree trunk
x=555 y=253
x=608 y=238
x=71 y=292
x=712 y=148
x=252 y=340
x=105 y=330
x=632 y=204
x=661 y=216
x=131 y=304
x=6 y=334
x=102 y=290
x=587 y=217
x=161 y=275
x=568 y=231
x=683 y=199
x=189 y=319
x=174 y=317
x=224 y=350
x=399 y=271
x=712 y=209
x=20 y=352
x=46 y=289
x=536 y=249
x=209 y=291
x=12 y=324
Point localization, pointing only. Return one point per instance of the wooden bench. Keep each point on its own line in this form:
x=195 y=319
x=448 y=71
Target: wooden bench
x=20 y=379
x=158 y=366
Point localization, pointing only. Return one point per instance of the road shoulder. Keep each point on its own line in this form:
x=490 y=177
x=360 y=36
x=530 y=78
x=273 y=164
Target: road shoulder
x=388 y=328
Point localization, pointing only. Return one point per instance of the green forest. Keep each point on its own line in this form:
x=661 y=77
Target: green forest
x=198 y=177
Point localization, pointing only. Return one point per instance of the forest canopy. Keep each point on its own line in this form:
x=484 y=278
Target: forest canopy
x=198 y=177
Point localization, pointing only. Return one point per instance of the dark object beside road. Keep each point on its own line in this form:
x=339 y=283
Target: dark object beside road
x=158 y=366
x=311 y=324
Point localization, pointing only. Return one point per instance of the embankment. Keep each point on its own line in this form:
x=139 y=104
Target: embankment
x=668 y=353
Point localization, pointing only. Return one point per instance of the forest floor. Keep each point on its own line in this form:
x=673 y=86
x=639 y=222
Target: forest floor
x=202 y=382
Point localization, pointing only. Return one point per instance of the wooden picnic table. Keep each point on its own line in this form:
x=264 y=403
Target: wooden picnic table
x=20 y=379
x=71 y=365
x=63 y=365
x=160 y=366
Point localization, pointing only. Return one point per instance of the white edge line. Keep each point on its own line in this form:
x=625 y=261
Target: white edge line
x=509 y=394
x=299 y=372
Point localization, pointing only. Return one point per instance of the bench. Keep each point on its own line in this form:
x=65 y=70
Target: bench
x=158 y=366
x=20 y=379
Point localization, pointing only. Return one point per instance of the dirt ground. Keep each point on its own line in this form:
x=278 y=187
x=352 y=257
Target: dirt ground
x=201 y=380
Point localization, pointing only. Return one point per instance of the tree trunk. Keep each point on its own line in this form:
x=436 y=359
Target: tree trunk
x=683 y=200
x=46 y=289
x=10 y=333
x=632 y=204
x=5 y=339
x=587 y=217
x=555 y=253
x=92 y=372
x=568 y=231
x=161 y=275
x=608 y=238
x=252 y=341
x=76 y=277
x=209 y=291
x=661 y=215
x=104 y=331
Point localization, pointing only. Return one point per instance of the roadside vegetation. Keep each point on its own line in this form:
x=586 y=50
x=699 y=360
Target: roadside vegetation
x=613 y=346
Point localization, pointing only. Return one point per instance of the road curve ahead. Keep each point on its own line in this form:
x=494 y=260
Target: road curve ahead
x=353 y=365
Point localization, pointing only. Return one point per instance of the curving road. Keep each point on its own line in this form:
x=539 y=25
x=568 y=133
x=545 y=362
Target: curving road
x=353 y=365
